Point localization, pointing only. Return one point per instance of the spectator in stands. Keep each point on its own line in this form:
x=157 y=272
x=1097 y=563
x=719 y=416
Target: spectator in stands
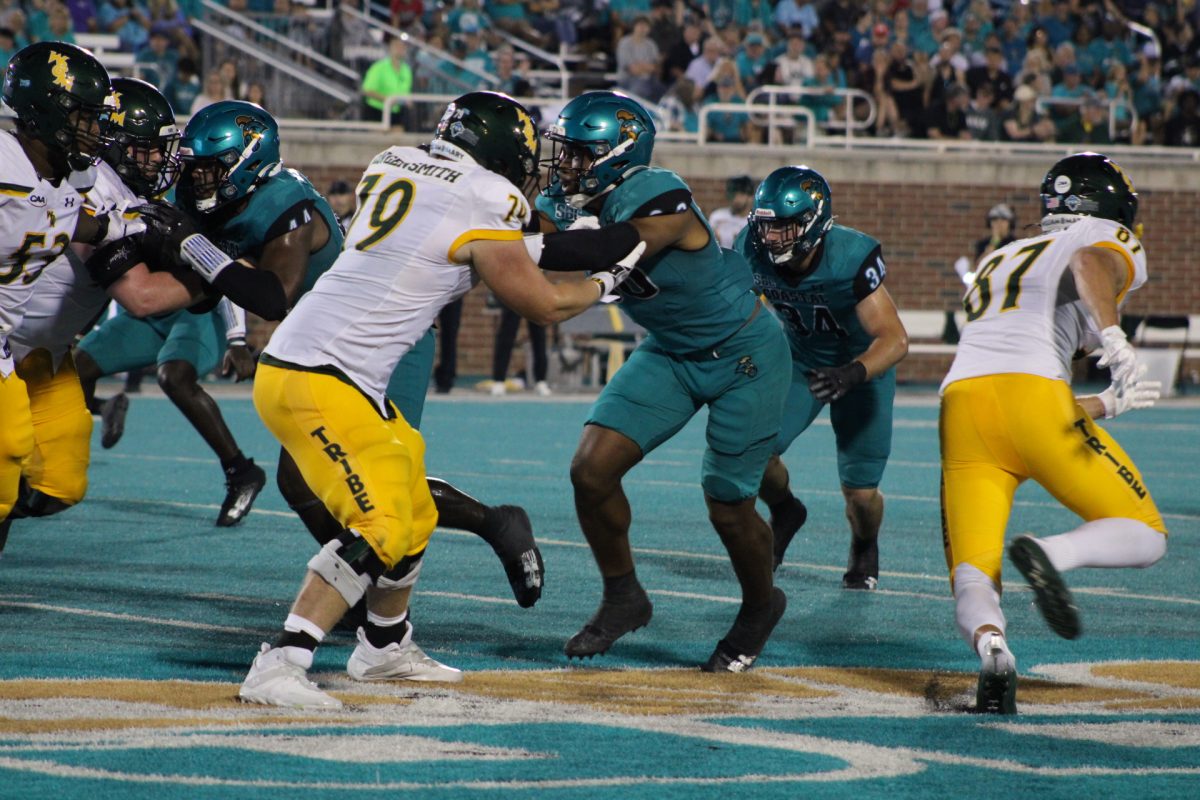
x=1002 y=226
x=1012 y=42
x=680 y=106
x=468 y=13
x=992 y=72
x=185 y=86
x=752 y=59
x=255 y=93
x=1060 y=24
x=129 y=19
x=512 y=16
x=754 y=15
x=701 y=68
x=1119 y=93
x=793 y=67
x=974 y=36
x=681 y=54
x=1183 y=128
x=869 y=37
x=388 y=77
x=727 y=222
x=512 y=82
x=947 y=118
x=506 y=337
x=8 y=45
x=1064 y=58
x=827 y=103
x=157 y=64
x=920 y=28
x=475 y=51
x=907 y=90
x=83 y=15
x=1066 y=115
x=1035 y=71
x=1147 y=95
x=729 y=126
x=406 y=14
x=58 y=22
x=797 y=15
x=1089 y=125
x=230 y=79
x=981 y=118
x=950 y=51
x=639 y=62
x=214 y=91
x=873 y=78
x=665 y=25
x=167 y=15
x=341 y=200
x=1023 y=122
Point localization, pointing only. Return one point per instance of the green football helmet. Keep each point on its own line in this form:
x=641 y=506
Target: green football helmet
x=600 y=138
x=143 y=139
x=493 y=129
x=227 y=149
x=58 y=92
x=1089 y=184
x=793 y=210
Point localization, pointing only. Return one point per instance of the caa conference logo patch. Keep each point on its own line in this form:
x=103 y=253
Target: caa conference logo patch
x=1062 y=184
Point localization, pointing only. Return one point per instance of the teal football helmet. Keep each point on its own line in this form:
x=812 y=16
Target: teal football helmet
x=59 y=93
x=228 y=148
x=496 y=131
x=792 y=213
x=600 y=138
x=143 y=139
x=1092 y=185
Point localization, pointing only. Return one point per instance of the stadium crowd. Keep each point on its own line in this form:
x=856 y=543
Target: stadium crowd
x=1070 y=71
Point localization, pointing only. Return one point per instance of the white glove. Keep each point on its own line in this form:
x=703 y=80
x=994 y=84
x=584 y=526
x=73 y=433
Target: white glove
x=609 y=279
x=588 y=223
x=1119 y=357
x=1140 y=394
x=7 y=366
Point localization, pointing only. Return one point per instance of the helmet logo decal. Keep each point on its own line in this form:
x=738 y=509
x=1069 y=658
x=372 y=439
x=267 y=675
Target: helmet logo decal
x=1062 y=184
x=1124 y=177
x=813 y=190
x=61 y=71
x=528 y=129
x=117 y=116
x=251 y=129
x=627 y=121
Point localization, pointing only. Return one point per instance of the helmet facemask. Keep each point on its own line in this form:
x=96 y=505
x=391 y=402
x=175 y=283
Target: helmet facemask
x=148 y=165
x=573 y=164
x=82 y=133
x=207 y=179
x=785 y=240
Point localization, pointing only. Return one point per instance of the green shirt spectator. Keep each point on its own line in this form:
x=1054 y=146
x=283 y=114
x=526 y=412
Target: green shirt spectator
x=388 y=77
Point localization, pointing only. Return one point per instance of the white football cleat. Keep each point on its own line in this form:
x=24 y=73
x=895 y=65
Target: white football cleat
x=542 y=389
x=498 y=389
x=275 y=681
x=399 y=661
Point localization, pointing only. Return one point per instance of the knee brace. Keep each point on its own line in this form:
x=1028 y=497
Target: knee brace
x=404 y=574
x=348 y=564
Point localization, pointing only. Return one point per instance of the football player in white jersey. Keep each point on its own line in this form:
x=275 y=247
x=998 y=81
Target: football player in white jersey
x=58 y=92
x=430 y=224
x=1008 y=413
x=70 y=294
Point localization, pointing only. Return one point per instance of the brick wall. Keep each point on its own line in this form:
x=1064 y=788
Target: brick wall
x=924 y=227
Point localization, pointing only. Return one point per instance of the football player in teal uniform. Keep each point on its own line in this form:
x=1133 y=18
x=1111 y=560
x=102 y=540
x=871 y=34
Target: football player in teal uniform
x=255 y=210
x=825 y=281
x=709 y=343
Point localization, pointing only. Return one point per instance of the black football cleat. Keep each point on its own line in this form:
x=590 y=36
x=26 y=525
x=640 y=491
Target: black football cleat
x=241 y=488
x=1050 y=592
x=784 y=527
x=512 y=538
x=112 y=419
x=863 y=569
x=996 y=692
x=741 y=647
x=610 y=622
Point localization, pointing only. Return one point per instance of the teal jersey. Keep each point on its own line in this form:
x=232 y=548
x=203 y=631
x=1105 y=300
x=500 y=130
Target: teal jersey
x=283 y=203
x=551 y=205
x=819 y=311
x=688 y=301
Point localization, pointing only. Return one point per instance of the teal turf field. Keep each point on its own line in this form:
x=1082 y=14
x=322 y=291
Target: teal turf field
x=127 y=623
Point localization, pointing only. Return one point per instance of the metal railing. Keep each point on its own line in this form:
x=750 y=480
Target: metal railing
x=789 y=94
x=781 y=116
x=1113 y=105
x=283 y=41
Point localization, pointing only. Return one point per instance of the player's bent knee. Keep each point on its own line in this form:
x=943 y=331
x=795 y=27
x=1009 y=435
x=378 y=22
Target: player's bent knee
x=725 y=490
x=176 y=375
x=349 y=565
x=403 y=575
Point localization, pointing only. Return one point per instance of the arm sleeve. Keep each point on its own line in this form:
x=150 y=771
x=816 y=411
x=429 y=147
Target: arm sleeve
x=110 y=262
x=590 y=250
x=255 y=290
x=870 y=274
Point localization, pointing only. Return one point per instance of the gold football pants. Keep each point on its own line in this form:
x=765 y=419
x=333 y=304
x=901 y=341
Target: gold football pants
x=16 y=438
x=997 y=431
x=62 y=428
x=369 y=472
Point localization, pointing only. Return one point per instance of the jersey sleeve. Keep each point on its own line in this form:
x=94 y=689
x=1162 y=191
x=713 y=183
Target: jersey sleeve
x=295 y=216
x=870 y=274
x=498 y=212
x=649 y=193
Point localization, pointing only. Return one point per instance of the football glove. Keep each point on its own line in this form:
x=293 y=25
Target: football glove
x=587 y=223
x=1119 y=357
x=7 y=365
x=1140 y=394
x=609 y=279
x=166 y=227
x=829 y=384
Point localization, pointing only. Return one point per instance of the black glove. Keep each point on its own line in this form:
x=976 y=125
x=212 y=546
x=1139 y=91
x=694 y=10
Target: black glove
x=166 y=228
x=828 y=384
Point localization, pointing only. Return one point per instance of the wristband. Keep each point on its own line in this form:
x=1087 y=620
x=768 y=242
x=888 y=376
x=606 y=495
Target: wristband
x=204 y=257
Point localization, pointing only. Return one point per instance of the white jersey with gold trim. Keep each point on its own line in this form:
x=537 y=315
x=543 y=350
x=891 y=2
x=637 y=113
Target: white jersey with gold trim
x=37 y=221
x=397 y=269
x=1023 y=314
x=66 y=299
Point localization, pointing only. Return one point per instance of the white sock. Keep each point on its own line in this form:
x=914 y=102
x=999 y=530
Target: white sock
x=298 y=624
x=1113 y=542
x=976 y=602
x=300 y=656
